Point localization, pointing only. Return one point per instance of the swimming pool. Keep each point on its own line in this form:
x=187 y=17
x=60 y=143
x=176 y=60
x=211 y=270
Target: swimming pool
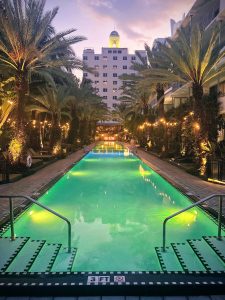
x=116 y=205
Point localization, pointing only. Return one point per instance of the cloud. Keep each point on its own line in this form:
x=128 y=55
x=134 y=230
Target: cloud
x=100 y=3
x=140 y=20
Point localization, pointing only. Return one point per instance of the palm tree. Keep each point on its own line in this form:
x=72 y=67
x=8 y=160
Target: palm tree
x=29 y=45
x=155 y=60
x=91 y=108
x=195 y=57
x=136 y=94
x=119 y=113
x=53 y=101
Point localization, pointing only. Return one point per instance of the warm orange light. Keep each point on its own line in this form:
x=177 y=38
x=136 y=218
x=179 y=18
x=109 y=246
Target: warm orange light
x=196 y=126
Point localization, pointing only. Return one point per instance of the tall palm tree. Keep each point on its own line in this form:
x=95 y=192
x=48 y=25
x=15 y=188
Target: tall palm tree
x=119 y=113
x=90 y=109
x=29 y=45
x=53 y=101
x=155 y=60
x=136 y=94
x=195 y=57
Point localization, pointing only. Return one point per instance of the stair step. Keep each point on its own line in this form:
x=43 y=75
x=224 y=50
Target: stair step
x=64 y=260
x=45 y=258
x=218 y=245
x=168 y=259
x=207 y=255
x=9 y=250
x=187 y=257
x=26 y=256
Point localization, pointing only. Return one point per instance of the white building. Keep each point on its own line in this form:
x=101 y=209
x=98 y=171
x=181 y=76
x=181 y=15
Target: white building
x=108 y=66
x=174 y=26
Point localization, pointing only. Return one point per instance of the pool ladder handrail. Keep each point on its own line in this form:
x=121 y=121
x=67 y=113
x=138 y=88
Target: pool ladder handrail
x=11 y=198
x=191 y=206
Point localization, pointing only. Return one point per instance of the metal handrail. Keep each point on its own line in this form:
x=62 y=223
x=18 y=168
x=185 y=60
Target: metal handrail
x=191 y=206
x=11 y=198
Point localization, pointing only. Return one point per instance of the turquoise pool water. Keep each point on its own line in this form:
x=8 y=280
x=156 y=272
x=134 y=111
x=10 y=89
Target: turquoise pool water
x=116 y=205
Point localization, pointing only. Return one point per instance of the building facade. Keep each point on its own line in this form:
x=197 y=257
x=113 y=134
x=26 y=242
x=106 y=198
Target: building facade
x=207 y=14
x=111 y=63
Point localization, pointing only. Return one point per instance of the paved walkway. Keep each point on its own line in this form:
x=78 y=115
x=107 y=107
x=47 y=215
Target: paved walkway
x=187 y=183
x=191 y=185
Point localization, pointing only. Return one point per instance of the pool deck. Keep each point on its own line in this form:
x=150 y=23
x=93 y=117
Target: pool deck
x=188 y=184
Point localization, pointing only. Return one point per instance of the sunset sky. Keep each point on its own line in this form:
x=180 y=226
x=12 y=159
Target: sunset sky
x=137 y=21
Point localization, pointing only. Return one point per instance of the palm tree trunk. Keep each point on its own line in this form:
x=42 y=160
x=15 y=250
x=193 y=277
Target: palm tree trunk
x=145 y=111
x=83 y=131
x=197 y=91
x=56 y=134
x=74 y=126
x=17 y=145
x=73 y=132
x=21 y=85
x=159 y=94
x=202 y=141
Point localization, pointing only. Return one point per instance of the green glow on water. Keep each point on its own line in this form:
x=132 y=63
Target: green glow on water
x=116 y=205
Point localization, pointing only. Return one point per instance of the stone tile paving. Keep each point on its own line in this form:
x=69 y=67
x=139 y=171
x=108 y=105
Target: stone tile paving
x=33 y=183
x=187 y=183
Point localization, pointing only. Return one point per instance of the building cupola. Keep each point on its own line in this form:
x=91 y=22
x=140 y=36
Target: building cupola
x=114 y=39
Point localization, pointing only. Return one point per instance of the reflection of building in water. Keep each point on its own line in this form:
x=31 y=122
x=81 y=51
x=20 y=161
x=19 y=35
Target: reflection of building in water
x=144 y=173
x=109 y=147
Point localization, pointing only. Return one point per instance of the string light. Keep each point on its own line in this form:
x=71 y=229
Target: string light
x=164 y=122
